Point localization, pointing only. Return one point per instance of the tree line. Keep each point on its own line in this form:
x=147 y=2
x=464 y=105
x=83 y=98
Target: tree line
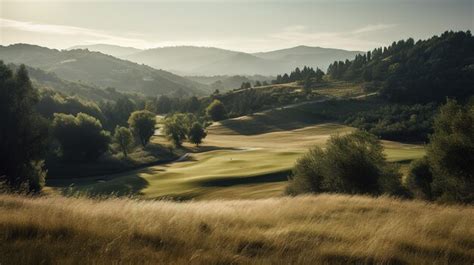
x=307 y=73
x=415 y=72
x=42 y=125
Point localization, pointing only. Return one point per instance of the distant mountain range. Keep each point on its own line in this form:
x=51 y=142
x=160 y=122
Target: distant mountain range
x=131 y=70
x=98 y=69
x=208 y=61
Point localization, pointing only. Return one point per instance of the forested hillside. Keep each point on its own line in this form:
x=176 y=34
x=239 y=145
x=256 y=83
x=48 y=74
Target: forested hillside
x=43 y=80
x=422 y=71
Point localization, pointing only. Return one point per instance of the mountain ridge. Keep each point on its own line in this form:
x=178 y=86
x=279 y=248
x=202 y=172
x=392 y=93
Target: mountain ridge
x=101 y=70
x=209 y=61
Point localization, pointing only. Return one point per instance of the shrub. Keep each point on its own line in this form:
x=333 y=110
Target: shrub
x=306 y=176
x=216 y=110
x=353 y=164
x=419 y=178
x=142 y=123
x=451 y=153
x=36 y=176
x=81 y=137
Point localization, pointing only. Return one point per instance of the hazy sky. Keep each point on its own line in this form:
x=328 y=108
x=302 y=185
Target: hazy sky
x=241 y=25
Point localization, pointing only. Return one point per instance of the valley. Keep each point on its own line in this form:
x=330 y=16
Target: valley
x=236 y=132
x=225 y=166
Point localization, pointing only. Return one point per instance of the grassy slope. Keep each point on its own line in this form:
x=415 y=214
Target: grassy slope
x=324 y=229
x=233 y=165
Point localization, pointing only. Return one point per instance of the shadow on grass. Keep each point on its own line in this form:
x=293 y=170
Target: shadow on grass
x=231 y=181
x=130 y=185
x=276 y=120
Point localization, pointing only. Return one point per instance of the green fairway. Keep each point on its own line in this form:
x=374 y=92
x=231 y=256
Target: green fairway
x=230 y=165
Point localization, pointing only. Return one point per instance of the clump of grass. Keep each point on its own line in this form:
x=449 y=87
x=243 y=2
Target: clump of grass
x=323 y=229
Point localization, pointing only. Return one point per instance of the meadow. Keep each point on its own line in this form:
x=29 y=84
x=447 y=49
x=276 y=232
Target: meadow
x=322 y=229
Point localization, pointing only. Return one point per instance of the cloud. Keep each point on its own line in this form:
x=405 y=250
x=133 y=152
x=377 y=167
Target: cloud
x=291 y=35
x=87 y=35
x=371 y=28
x=297 y=35
x=295 y=28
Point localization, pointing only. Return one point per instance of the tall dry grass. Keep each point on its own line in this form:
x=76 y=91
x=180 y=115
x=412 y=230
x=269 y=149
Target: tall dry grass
x=324 y=229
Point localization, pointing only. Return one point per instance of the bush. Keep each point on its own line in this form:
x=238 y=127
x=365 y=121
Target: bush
x=81 y=137
x=419 y=178
x=216 y=110
x=37 y=176
x=306 y=176
x=451 y=153
x=353 y=164
x=142 y=123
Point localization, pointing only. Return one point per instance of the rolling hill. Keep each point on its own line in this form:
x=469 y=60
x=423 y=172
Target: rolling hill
x=226 y=82
x=98 y=69
x=114 y=50
x=309 y=56
x=208 y=61
x=50 y=81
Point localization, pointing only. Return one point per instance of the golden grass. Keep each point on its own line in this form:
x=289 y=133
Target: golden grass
x=341 y=89
x=323 y=229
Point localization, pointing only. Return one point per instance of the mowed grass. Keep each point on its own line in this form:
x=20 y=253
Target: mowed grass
x=323 y=229
x=227 y=165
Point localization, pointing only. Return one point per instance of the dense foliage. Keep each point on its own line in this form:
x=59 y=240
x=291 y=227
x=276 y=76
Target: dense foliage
x=196 y=133
x=299 y=75
x=142 y=123
x=447 y=172
x=419 y=179
x=123 y=138
x=391 y=121
x=422 y=71
x=216 y=110
x=51 y=102
x=353 y=164
x=165 y=104
x=451 y=153
x=181 y=126
x=81 y=137
x=396 y=121
x=23 y=133
x=117 y=112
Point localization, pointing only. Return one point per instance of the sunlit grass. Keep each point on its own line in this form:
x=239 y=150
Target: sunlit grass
x=231 y=166
x=323 y=229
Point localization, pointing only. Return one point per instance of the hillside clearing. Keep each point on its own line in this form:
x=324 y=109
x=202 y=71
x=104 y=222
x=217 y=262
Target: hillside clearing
x=324 y=229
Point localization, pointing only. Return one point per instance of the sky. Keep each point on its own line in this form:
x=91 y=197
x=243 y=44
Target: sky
x=241 y=25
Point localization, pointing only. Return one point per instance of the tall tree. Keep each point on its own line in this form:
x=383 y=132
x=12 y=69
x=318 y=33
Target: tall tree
x=124 y=139
x=23 y=132
x=142 y=123
x=196 y=133
x=176 y=127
